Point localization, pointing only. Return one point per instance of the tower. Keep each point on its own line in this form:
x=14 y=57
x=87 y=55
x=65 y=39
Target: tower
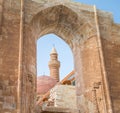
x=54 y=64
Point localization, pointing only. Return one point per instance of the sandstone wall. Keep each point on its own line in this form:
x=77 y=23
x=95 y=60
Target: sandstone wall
x=22 y=23
x=111 y=49
x=110 y=38
x=89 y=73
x=64 y=96
x=9 y=54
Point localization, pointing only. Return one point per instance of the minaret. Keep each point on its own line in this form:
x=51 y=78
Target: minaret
x=54 y=64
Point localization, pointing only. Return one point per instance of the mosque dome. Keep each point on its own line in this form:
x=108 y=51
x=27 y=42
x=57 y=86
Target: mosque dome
x=44 y=84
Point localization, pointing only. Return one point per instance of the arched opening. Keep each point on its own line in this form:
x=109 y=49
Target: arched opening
x=47 y=74
x=65 y=55
x=66 y=24
x=59 y=20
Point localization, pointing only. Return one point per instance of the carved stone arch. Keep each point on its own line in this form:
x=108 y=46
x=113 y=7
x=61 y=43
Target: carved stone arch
x=59 y=20
x=76 y=30
x=84 y=32
x=40 y=5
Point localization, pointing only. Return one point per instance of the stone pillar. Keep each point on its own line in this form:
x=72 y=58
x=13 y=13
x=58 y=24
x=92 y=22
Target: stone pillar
x=9 y=54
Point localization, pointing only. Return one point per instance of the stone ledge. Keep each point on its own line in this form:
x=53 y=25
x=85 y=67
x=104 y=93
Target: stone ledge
x=58 y=109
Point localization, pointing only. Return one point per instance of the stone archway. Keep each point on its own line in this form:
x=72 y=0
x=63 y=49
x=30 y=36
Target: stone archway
x=44 y=22
x=80 y=35
x=82 y=27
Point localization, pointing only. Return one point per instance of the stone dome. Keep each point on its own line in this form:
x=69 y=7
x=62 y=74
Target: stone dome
x=44 y=84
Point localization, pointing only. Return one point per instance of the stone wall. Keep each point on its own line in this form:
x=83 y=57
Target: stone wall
x=111 y=49
x=110 y=38
x=9 y=55
x=95 y=46
x=66 y=99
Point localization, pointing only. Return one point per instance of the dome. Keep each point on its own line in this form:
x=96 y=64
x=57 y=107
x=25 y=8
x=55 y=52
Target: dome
x=44 y=84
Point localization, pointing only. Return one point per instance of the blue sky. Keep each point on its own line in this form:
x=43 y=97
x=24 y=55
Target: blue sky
x=112 y=6
x=45 y=43
x=44 y=47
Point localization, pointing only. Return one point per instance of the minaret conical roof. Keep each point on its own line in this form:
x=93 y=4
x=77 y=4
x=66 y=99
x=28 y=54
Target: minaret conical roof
x=53 y=50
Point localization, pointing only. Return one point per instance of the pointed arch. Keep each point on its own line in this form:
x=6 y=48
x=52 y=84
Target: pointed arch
x=65 y=55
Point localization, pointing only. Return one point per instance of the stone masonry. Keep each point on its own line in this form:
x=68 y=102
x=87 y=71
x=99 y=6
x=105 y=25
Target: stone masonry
x=63 y=100
x=92 y=35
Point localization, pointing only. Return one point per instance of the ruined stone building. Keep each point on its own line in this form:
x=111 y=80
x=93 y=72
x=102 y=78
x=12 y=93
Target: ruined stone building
x=92 y=35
